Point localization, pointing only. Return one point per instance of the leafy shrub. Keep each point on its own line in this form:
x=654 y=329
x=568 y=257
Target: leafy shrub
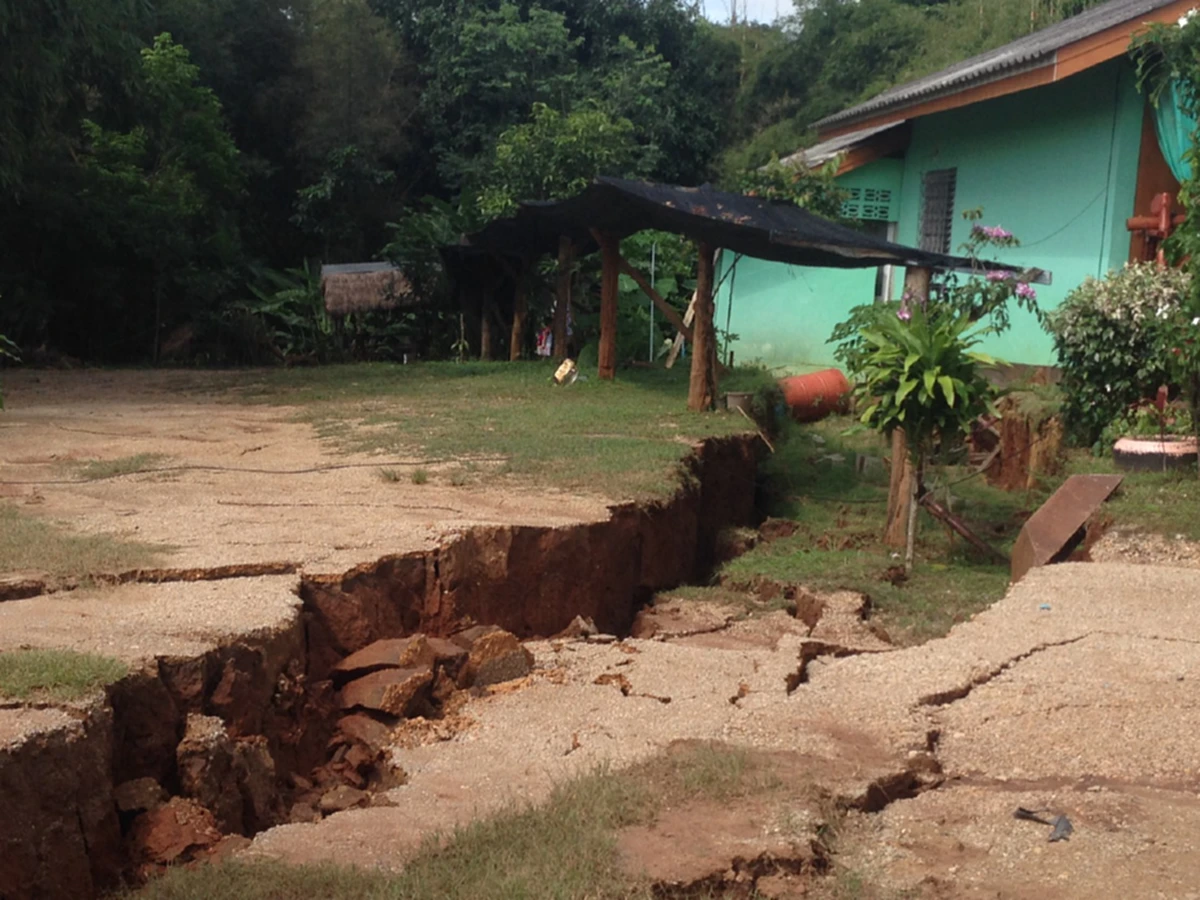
x=918 y=372
x=1105 y=333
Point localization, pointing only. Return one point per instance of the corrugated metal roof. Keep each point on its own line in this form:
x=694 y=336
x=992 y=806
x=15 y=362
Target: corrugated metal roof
x=1030 y=52
x=827 y=150
x=356 y=268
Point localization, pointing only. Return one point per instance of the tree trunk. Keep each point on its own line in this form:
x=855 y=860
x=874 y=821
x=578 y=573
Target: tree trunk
x=910 y=538
x=562 y=302
x=900 y=490
x=916 y=284
x=609 y=279
x=702 y=388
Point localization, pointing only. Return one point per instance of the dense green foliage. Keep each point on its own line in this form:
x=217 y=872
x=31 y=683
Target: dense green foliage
x=163 y=161
x=1106 y=334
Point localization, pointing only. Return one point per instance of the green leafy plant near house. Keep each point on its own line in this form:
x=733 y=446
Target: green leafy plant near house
x=1109 y=334
x=982 y=296
x=913 y=363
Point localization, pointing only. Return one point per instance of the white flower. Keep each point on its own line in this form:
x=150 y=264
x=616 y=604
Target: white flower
x=1196 y=321
x=1184 y=19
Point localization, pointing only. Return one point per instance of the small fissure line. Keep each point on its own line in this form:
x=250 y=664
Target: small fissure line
x=944 y=698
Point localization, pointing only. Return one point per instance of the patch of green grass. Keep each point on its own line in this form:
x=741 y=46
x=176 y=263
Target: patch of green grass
x=623 y=437
x=389 y=475
x=55 y=674
x=419 y=476
x=566 y=848
x=1157 y=502
x=99 y=469
x=459 y=477
x=32 y=545
x=813 y=479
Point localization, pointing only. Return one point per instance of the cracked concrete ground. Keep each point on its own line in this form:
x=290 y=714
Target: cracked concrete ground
x=1075 y=693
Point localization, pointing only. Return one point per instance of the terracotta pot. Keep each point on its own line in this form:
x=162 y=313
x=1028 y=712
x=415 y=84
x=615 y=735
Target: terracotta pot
x=812 y=397
x=1154 y=454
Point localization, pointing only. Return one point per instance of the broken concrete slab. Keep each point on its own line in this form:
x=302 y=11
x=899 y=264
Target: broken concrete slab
x=1053 y=532
x=495 y=657
x=175 y=832
x=396 y=692
x=468 y=636
x=361 y=728
x=415 y=651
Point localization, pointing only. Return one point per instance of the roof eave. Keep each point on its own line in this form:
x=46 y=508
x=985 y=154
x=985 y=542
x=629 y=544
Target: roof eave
x=865 y=114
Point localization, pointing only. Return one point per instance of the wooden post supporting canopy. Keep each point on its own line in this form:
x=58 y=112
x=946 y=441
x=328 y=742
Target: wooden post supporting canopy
x=702 y=388
x=520 y=311
x=562 y=296
x=610 y=270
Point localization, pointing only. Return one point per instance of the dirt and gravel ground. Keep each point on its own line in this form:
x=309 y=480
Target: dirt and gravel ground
x=240 y=485
x=1075 y=694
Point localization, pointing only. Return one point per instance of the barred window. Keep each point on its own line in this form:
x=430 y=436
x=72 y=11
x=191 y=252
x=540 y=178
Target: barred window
x=937 y=209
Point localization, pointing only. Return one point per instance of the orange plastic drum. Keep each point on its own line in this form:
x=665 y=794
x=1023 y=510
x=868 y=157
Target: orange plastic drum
x=814 y=396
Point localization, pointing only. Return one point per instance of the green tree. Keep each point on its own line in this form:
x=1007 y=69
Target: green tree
x=354 y=131
x=556 y=155
x=58 y=56
x=160 y=195
x=246 y=51
x=484 y=74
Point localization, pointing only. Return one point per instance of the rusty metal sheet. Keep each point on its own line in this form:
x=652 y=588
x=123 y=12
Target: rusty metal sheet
x=1051 y=532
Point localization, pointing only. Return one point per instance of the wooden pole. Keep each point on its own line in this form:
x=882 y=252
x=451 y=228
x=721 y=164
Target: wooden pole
x=664 y=307
x=677 y=345
x=702 y=389
x=610 y=270
x=562 y=302
x=520 y=311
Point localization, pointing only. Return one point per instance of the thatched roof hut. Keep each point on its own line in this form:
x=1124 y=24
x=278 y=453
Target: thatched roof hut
x=358 y=287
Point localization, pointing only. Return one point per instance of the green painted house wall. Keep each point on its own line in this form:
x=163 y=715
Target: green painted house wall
x=1056 y=165
x=783 y=315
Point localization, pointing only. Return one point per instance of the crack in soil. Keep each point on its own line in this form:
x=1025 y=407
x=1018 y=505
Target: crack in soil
x=740 y=879
x=26 y=589
x=810 y=650
x=952 y=695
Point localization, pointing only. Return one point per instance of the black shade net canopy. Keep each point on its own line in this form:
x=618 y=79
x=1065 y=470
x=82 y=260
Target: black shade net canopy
x=752 y=226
